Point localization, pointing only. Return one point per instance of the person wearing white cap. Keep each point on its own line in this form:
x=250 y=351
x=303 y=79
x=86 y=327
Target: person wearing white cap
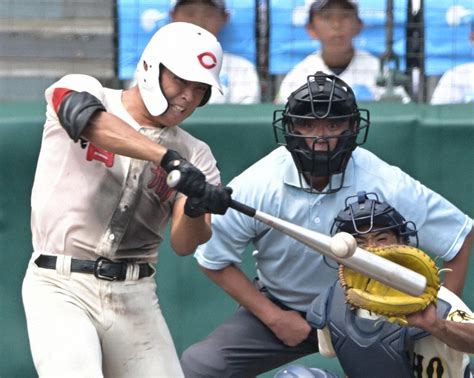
x=100 y=205
x=335 y=24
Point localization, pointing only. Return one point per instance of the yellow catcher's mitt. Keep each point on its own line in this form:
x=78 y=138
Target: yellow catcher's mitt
x=364 y=292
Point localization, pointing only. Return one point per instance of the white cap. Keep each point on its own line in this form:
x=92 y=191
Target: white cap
x=187 y=50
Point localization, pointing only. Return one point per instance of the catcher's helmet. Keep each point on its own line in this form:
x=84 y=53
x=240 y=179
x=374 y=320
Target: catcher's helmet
x=370 y=215
x=187 y=50
x=321 y=97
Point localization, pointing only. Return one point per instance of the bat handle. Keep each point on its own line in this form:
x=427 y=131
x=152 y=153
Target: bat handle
x=242 y=208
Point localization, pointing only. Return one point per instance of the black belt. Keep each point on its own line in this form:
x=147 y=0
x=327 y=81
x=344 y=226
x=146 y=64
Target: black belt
x=102 y=268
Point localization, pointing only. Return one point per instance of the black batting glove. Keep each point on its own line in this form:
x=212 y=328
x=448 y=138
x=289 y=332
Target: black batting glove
x=216 y=200
x=192 y=182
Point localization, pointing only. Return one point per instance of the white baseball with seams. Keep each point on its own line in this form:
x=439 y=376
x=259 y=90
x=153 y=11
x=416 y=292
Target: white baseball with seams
x=343 y=244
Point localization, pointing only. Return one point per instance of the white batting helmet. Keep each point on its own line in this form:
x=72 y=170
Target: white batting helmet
x=187 y=50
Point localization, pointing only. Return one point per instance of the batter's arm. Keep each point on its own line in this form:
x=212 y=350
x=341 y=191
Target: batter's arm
x=84 y=116
x=109 y=132
x=112 y=134
x=186 y=232
x=455 y=279
x=289 y=326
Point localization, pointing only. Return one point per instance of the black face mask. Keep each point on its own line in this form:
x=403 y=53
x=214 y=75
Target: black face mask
x=321 y=97
x=321 y=163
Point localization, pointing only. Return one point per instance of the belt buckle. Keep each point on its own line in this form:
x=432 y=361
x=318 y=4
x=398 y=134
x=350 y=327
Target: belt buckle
x=98 y=270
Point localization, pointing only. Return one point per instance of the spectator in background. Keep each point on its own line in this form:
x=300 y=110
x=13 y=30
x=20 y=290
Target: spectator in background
x=335 y=23
x=457 y=84
x=238 y=75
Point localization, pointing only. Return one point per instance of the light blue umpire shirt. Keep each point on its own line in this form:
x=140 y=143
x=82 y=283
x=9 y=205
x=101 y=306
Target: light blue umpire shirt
x=294 y=273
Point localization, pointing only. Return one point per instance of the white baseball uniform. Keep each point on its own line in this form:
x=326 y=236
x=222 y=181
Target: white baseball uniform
x=429 y=353
x=455 y=86
x=88 y=203
x=361 y=74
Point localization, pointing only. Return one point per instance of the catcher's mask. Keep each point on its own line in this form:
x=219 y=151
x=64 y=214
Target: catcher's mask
x=321 y=97
x=187 y=50
x=370 y=215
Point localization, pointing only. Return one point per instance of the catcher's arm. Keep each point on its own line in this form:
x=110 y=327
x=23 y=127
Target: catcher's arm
x=454 y=280
x=459 y=336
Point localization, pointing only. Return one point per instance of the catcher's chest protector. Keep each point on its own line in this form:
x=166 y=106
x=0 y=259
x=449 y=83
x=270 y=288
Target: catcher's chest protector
x=366 y=348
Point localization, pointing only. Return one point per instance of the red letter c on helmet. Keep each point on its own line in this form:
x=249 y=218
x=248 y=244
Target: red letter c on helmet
x=207 y=59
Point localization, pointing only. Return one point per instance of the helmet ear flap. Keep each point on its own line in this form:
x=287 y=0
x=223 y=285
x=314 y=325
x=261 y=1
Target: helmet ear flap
x=206 y=97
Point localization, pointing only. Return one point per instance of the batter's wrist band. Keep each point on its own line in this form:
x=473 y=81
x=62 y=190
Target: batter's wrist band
x=171 y=160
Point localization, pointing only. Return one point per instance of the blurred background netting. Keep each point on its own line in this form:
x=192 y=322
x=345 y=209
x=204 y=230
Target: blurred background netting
x=41 y=40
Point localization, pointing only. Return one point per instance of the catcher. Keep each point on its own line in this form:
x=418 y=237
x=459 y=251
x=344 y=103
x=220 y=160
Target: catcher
x=366 y=344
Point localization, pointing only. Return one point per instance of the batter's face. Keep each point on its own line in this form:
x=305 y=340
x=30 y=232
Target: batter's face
x=322 y=133
x=204 y=15
x=183 y=97
x=377 y=239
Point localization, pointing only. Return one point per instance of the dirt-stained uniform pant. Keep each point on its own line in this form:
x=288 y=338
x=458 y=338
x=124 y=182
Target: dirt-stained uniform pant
x=81 y=326
x=241 y=347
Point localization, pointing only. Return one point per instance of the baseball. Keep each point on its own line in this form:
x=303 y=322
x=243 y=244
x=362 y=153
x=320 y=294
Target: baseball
x=343 y=245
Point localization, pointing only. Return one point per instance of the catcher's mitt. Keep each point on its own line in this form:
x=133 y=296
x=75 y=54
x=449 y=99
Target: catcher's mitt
x=364 y=292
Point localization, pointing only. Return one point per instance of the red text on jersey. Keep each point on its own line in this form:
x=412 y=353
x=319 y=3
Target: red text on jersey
x=99 y=154
x=158 y=182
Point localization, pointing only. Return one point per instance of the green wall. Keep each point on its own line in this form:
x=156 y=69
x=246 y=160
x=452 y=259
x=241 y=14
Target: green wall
x=433 y=144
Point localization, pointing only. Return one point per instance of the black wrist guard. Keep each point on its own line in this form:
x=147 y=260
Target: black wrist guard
x=192 y=181
x=75 y=112
x=216 y=200
x=171 y=160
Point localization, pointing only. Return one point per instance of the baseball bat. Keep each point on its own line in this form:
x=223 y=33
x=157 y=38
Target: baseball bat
x=362 y=261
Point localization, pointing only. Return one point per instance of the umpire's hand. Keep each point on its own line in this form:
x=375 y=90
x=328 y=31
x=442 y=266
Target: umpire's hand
x=216 y=200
